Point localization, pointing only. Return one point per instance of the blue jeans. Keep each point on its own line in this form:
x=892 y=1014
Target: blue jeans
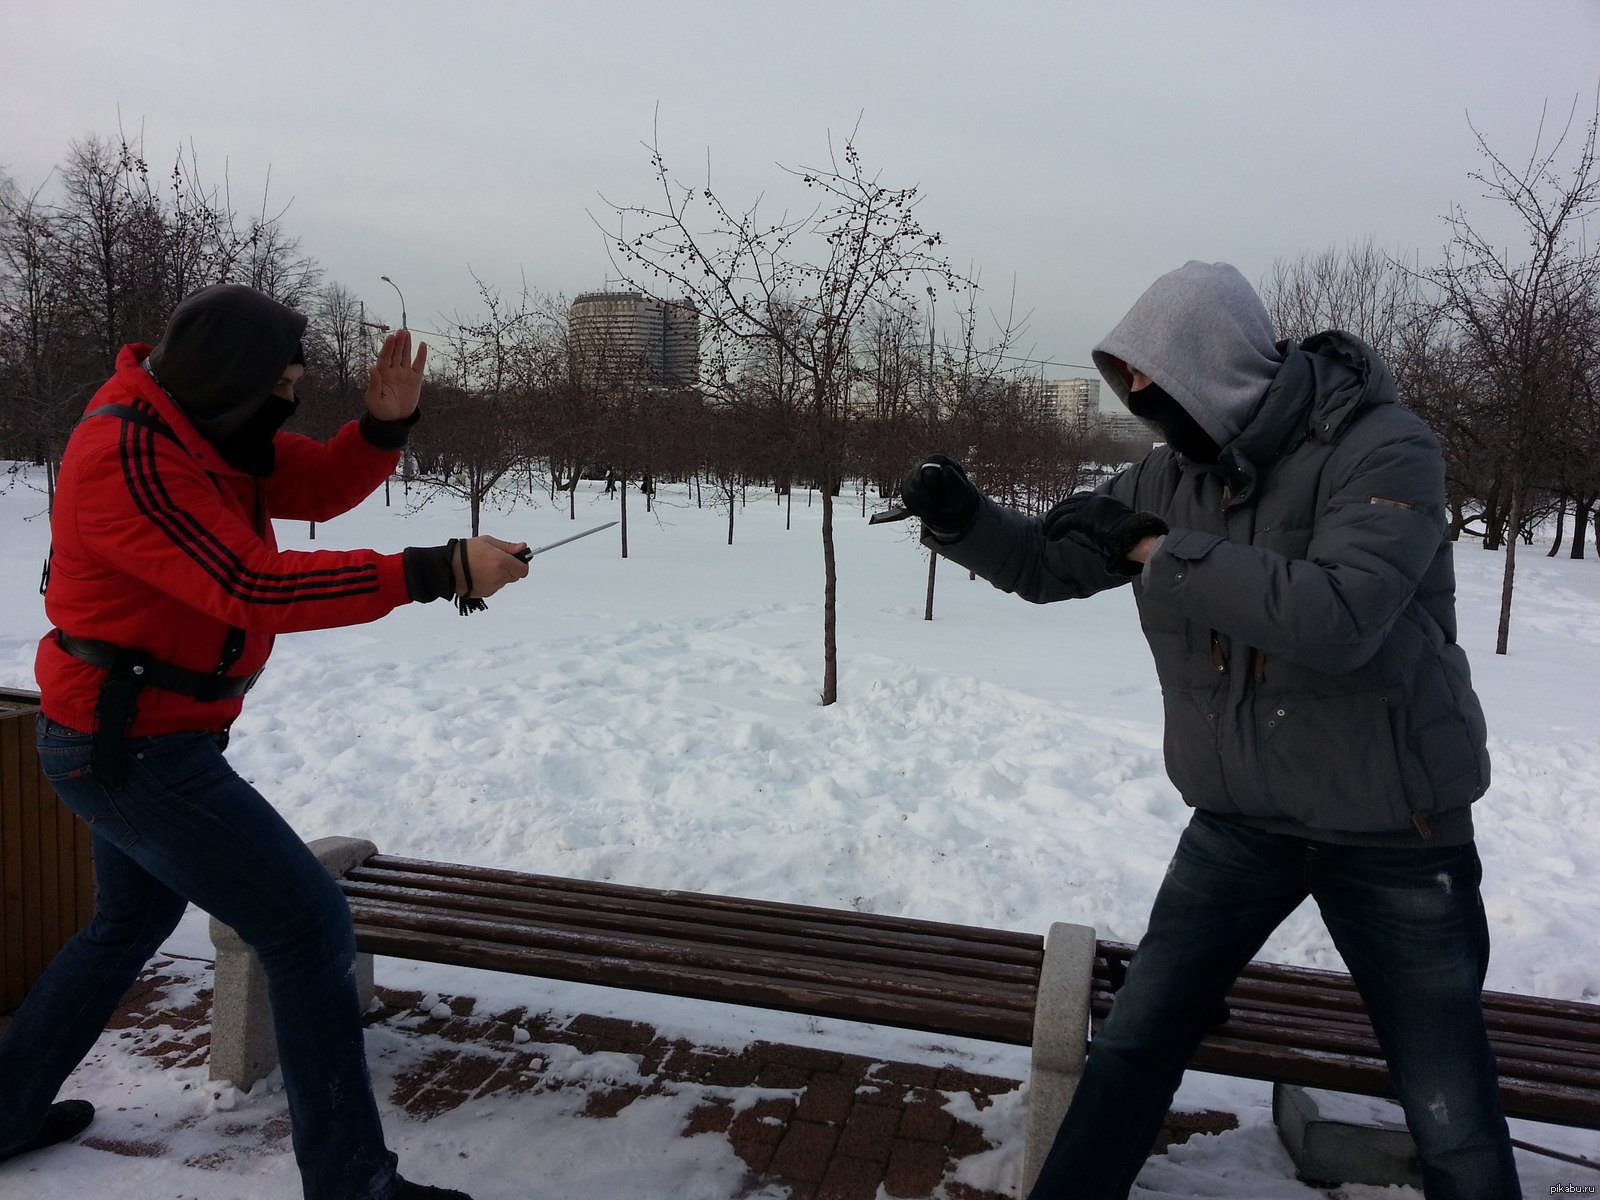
x=1411 y=928
x=184 y=828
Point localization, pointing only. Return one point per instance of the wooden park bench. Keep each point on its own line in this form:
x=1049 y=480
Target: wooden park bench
x=1287 y=1025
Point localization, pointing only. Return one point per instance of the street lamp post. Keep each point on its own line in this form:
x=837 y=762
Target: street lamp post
x=399 y=293
x=408 y=465
x=367 y=338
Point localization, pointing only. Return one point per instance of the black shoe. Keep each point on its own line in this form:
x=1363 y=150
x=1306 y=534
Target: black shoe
x=62 y=1120
x=421 y=1191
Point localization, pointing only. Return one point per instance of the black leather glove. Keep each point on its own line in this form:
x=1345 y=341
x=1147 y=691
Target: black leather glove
x=938 y=491
x=1107 y=522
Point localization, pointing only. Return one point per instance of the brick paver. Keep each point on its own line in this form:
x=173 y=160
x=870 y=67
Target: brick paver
x=841 y=1127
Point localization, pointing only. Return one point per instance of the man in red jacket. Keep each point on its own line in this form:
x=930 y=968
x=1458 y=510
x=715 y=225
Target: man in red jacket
x=166 y=589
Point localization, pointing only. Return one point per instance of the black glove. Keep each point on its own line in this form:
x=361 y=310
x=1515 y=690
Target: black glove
x=938 y=491
x=1107 y=522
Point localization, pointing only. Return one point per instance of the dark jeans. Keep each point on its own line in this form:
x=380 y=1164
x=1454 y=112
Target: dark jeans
x=184 y=827
x=1411 y=928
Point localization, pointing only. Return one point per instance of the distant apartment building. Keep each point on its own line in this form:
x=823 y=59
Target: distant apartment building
x=632 y=332
x=1125 y=427
x=1075 y=403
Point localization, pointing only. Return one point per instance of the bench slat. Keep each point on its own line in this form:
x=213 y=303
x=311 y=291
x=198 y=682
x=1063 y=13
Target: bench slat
x=686 y=901
x=1552 y=1103
x=824 y=998
x=962 y=955
x=1508 y=1044
x=934 y=983
x=1274 y=1029
x=1520 y=1029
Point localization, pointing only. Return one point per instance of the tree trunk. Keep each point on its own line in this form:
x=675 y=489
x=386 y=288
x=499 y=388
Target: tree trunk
x=1561 y=521
x=830 y=593
x=1504 y=634
x=1581 y=509
x=933 y=566
x=730 y=520
x=624 y=476
x=1494 y=519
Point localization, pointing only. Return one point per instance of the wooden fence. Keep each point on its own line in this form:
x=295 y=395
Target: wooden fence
x=46 y=876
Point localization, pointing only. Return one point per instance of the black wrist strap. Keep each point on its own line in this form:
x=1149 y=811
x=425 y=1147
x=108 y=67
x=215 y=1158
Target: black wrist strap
x=466 y=602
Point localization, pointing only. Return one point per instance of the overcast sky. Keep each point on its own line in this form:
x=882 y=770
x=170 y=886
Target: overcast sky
x=1072 y=151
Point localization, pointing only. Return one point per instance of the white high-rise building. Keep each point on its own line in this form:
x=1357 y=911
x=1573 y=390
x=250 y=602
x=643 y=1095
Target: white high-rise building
x=629 y=331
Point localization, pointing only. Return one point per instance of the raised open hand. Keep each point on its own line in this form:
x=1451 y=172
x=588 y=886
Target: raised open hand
x=395 y=382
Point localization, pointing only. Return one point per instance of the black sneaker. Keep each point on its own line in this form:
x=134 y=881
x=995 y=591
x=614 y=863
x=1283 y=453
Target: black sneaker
x=421 y=1191
x=62 y=1120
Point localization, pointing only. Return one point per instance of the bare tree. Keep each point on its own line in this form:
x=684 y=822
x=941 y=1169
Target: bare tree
x=1516 y=315
x=339 y=348
x=1362 y=290
x=890 y=421
x=861 y=245
x=101 y=262
x=43 y=360
x=479 y=411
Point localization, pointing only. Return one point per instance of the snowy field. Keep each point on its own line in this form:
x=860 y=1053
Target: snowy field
x=655 y=720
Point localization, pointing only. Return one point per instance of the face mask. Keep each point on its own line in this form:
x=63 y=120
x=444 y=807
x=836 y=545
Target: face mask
x=249 y=448
x=1171 y=420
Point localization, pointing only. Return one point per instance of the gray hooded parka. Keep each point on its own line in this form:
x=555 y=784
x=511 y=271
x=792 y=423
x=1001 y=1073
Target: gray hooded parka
x=1301 y=611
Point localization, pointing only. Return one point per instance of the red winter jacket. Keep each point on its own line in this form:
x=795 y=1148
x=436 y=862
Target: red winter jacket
x=154 y=547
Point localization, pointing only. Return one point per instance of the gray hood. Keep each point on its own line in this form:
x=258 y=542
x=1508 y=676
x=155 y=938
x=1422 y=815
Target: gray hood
x=1202 y=334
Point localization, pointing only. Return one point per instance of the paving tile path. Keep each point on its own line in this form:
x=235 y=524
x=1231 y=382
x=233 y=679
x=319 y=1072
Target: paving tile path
x=840 y=1126
x=824 y=1125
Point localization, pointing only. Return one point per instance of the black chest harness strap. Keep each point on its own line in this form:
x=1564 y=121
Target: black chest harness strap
x=129 y=670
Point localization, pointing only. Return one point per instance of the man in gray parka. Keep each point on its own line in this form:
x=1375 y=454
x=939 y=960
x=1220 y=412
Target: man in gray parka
x=1287 y=551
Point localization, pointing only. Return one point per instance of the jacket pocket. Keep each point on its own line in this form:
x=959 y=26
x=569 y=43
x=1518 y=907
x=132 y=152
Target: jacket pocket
x=1191 y=745
x=1333 y=761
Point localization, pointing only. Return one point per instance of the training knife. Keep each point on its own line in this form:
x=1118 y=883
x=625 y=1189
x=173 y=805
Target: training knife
x=525 y=555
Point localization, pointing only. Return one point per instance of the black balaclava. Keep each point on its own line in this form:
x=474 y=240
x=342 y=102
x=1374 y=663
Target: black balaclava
x=223 y=351
x=250 y=446
x=1172 y=421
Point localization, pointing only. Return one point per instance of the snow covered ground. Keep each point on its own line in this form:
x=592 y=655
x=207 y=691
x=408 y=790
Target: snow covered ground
x=655 y=721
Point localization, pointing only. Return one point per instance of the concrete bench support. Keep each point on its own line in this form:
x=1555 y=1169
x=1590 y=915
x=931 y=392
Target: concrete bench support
x=1060 y=1038
x=1335 y=1139
x=243 y=1045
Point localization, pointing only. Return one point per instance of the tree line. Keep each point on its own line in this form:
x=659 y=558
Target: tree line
x=1497 y=347
x=820 y=363
x=99 y=258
